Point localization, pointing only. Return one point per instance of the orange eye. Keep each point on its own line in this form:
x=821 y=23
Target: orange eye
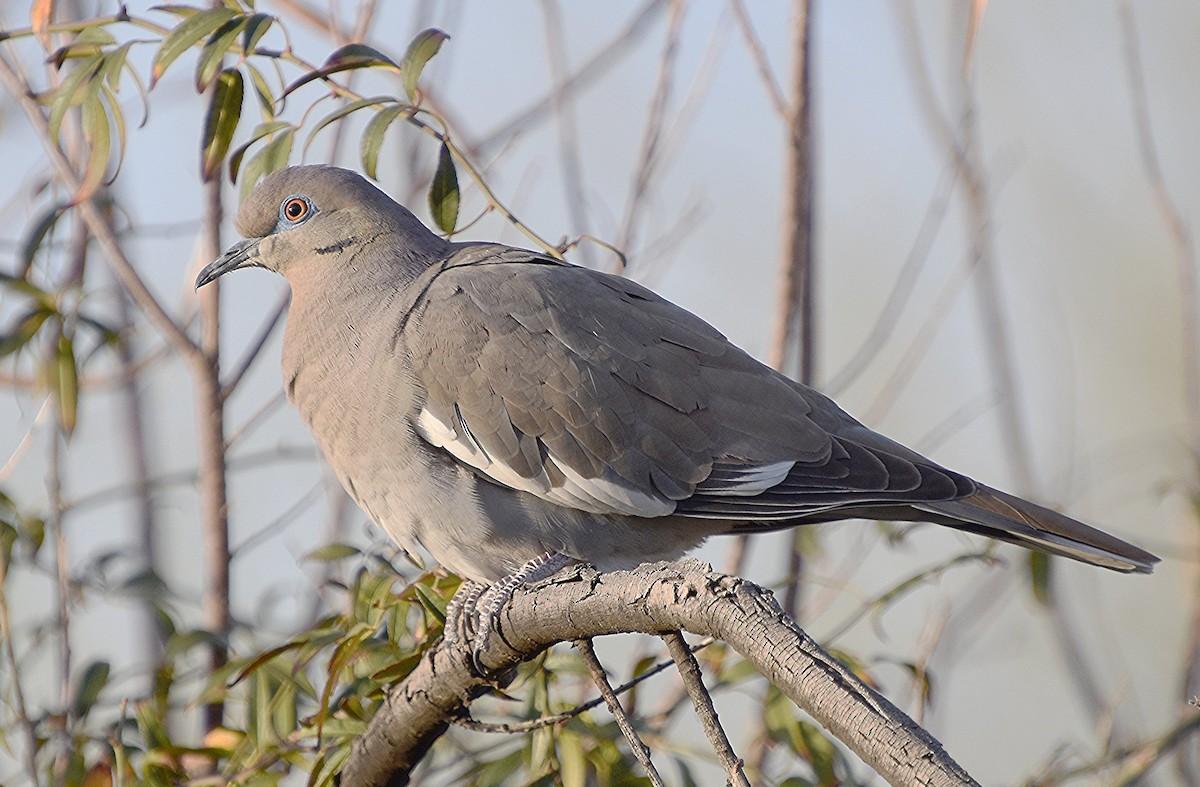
x=295 y=209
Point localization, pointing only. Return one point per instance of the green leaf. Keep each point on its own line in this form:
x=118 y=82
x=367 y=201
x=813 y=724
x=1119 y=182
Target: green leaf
x=118 y=119
x=420 y=51
x=273 y=156
x=372 y=138
x=114 y=64
x=431 y=602
x=184 y=36
x=33 y=241
x=66 y=384
x=443 y=192
x=27 y=328
x=396 y=670
x=821 y=753
x=262 y=92
x=88 y=691
x=1041 y=577
x=260 y=131
x=572 y=761
x=90 y=41
x=72 y=92
x=326 y=769
x=220 y=122
x=350 y=56
x=332 y=552
x=257 y=26
x=212 y=55
x=98 y=137
x=340 y=113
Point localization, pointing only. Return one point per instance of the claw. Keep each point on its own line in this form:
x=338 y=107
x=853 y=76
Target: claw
x=460 y=612
x=474 y=611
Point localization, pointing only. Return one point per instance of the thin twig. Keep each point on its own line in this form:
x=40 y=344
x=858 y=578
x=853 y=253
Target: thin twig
x=10 y=655
x=795 y=313
x=759 y=55
x=466 y=722
x=689 y=670
x=639 y=749
x=138 y=452
x=210 y=424
x=645 y=168
x=256 y=347
x=277 y=400
x=97 y=223
x=62 y=573
x=901 y=292
x=588 y=72
x=1189 y=317
x=564 y=122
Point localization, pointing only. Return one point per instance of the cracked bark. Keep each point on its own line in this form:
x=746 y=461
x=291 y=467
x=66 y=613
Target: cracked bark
x=652 y=599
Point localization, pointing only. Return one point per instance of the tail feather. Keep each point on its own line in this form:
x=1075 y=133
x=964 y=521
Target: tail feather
x=993 y=513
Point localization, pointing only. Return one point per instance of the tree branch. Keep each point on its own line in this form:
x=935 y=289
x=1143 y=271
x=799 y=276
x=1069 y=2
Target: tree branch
x=689 y=671
x=653 y=598
x=640 y=750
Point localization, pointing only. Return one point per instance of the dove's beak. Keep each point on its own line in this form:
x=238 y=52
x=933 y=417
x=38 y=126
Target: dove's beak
x=242 y=254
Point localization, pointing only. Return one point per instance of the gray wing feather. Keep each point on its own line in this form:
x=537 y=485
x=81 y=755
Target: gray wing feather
x=590 y=391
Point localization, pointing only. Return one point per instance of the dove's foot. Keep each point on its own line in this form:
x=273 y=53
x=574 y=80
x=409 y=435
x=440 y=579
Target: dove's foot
x=460 y=612
x=474 y=612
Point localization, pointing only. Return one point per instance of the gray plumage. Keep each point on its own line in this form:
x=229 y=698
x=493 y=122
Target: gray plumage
x=495 y=404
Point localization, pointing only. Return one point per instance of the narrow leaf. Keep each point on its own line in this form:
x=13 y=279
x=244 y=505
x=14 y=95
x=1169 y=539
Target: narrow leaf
x=118 y=121
x=90 y=41
x=350 y=56
x=224 y=111
x=372 y=138
x=257 y=26
x=1041 y=577
x=332 y=552
x=184 y=36
x=27 y=328
x=212 y=54
x=273 y=156
x=94 y=679
x=443 y=192
x=262 y=92
x=33 y=241
x=72 y=92
x=340 y=113
x=260 y=131
x=420 y=51
x=98 y=137
x=66 y=379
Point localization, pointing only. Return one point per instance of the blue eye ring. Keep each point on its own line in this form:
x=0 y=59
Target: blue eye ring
x=295 y=210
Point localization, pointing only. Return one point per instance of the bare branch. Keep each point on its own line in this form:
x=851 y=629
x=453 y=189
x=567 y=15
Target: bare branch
x=1189 y=317
x=689 y=671
x=651 y=599
x=256 y=347
x=759 y=55
x=210 y=425
x=564 y=117
x=10 y=656
x=591 y=70
x=97 y=222
x=652 y=134
x=640 y=750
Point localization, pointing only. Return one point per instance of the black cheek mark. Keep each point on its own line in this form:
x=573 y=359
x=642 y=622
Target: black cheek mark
x=336 y=247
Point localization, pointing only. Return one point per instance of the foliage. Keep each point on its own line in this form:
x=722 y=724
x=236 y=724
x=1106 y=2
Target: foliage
x=296 y=705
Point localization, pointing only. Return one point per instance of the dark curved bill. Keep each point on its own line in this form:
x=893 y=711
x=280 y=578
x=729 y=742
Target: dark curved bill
x=242 y=254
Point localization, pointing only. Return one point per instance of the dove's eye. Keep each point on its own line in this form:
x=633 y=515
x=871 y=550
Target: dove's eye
x=296 y=209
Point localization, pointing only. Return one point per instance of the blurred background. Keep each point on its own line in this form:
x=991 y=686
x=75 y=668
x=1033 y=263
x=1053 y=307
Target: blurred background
x=1004 y=196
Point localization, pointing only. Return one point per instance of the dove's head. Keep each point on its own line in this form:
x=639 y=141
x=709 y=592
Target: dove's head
x=324 y=222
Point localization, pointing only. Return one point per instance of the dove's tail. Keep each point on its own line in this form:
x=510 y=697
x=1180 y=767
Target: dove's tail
x=995 y=514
